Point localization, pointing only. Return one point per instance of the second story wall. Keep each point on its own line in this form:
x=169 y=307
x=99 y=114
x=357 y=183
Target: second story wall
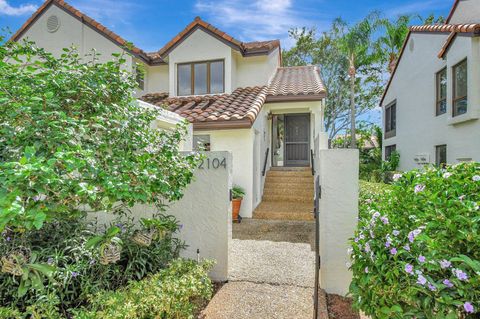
x=256 y=70
x=467 y=11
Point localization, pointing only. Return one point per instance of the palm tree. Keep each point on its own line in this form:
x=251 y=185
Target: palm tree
x=356 y=44
x=391 y=41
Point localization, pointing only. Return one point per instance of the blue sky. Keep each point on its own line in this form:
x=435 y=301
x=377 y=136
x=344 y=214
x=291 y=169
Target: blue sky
x=149 y=24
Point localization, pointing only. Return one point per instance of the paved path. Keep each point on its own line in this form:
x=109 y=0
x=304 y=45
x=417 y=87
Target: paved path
x=269 y=280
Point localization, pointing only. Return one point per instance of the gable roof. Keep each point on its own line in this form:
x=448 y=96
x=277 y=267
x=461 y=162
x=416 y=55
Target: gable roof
x=245 y=48
x=152 y=58
x=241 y=108
x=107 y=33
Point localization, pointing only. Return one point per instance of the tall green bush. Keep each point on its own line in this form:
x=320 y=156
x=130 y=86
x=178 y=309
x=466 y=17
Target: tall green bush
x=72 y=136
x=416 y=253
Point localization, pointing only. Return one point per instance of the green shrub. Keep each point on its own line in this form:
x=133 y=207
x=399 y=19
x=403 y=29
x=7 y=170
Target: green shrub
x=172 y=293
x=416 y=253
x=77 y=270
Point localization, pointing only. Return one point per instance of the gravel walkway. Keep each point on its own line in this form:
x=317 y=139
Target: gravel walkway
x=268 y=280
x=279 y=263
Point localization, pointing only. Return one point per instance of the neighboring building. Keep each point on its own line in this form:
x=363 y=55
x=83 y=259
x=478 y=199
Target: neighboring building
x=431 y=105
x=236 y=94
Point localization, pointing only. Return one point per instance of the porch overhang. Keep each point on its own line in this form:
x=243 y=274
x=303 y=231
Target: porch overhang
x=222 y=125
x=295 y=98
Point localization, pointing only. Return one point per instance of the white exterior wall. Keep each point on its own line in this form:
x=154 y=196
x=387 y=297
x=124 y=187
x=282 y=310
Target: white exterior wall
x=418 y=129
x=157 y=78
x=200 y=46
x=338 y=216
x=71 y=33
x=255 y=70
x=239 y=142
x=468 y=11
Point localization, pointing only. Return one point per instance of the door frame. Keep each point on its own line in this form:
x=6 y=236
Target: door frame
x=284 y=142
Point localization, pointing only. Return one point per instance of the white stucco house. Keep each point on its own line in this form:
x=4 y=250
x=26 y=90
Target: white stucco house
x=236 y=94
x=431 y=105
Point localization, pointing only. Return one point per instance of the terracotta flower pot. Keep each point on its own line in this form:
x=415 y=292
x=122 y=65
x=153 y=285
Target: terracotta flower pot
x=236 y=203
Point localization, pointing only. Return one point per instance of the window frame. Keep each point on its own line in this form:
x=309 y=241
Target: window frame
x=438 y=99
x=389 y=147
x=192 y=76
x=437 y=159
x=392 y=131
x=454 y=84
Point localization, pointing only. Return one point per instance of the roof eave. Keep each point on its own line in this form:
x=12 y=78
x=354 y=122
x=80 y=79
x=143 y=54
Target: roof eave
x=295 y=98
x=222 y=125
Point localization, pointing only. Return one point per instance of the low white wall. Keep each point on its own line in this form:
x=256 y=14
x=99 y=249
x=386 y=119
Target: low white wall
x=204 y=213
x=338 y=171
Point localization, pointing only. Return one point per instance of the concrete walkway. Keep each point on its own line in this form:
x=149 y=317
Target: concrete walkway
x=268 y=280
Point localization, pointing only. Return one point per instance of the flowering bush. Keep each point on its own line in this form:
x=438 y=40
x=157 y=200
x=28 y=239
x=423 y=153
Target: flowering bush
x=416 y=253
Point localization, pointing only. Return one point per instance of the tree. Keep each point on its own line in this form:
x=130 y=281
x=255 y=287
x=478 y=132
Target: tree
x=72 y=136
x=356 y=45
x=390 y=42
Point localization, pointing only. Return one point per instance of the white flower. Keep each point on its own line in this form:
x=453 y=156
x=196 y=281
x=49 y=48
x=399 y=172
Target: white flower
x=396 y=177
x=476 y=178
x=447 y=175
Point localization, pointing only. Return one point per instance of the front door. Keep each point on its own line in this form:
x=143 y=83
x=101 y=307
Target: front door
x=297 y=139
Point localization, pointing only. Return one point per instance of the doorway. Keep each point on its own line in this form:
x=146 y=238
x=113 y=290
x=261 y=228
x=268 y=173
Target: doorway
x=291 y=140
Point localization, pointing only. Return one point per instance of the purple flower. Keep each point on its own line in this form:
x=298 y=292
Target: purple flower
x=387 y=243
x=461 y=275
x=50 y=261
x=8 y=239
x=468 y=307
x=366 y=270
x=421 y=259
x=356 y=239
x=421 y=280
x=393 y=251
x=367 y=247
x=419 y=188
x=445 y=264
x=411 y=237
x=476 y=178
x=431 y=287
x=74 y=274
x=396 y=232
x=406 y=247
x=384 y=220
x=409 y=268
x=447 y=283
x=376 y=215
x=396 y=177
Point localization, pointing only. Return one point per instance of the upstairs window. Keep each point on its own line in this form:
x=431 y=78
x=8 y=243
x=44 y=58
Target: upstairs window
x=441 y=92
x=390 y=120
x=200 y=78
x=460 y=100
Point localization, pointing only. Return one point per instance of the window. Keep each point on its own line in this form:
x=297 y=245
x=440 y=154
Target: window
x=460 y=88
x=200 y=78
x=441 y=80
x=389 y=150
x=441 y=155
x=201 y=143
x=140 y=76
x=390 y=120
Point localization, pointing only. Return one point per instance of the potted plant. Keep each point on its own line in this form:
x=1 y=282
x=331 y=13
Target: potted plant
x=237 y=196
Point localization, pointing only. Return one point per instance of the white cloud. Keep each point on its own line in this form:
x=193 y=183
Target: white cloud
x=256 y=20
x=8 y=10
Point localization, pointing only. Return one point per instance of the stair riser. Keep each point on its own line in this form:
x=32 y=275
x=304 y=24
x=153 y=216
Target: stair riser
x=289 y=180
x=284 y=198
x=288 y=192
x=283 y=216
x=289 y=174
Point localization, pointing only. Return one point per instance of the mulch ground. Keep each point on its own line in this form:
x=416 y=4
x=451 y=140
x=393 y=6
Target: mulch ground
x=340 y=308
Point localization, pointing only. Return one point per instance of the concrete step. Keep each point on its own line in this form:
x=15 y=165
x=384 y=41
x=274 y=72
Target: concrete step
x=284 y=210
x=290 y=173
x=293 y=197
x=289 y=179
x=294 y=189
x=289 y=168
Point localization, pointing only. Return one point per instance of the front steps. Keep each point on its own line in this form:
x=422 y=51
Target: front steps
x=288 y=195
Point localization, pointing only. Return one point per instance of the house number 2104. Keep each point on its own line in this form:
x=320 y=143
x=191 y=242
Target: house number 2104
x=214 y=163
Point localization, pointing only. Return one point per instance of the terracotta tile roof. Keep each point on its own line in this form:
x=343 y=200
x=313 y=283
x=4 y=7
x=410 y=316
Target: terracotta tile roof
x=460 y=28
x=112 y=36
x=296 y=83
x=236 y=110
x=241 y=108
x=246 y=48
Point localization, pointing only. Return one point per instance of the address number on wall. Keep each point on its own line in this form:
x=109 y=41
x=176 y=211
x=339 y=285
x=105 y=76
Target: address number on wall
x=213 y=163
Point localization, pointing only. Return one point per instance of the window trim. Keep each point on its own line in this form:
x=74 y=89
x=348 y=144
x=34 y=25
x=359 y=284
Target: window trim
x=437 y=147
x=391 y=132
x=192 y=76
x=437 y=91
x=394 y=146
x=454 y=82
